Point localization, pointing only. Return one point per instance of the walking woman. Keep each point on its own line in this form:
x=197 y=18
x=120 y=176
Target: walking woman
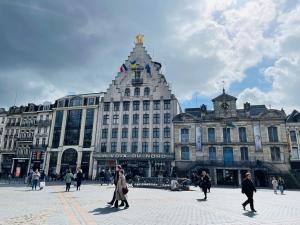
x=274 y=184
x=204 y=183
x=121 y=191
x=68 y=179
x=248 y=189
x=79 y=177
x=35 y=179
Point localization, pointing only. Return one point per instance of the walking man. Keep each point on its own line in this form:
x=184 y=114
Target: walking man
x=204 y=183
x=280 y=184
x=248 y=189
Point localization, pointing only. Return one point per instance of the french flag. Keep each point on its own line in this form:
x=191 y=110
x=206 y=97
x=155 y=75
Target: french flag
x=123 y=68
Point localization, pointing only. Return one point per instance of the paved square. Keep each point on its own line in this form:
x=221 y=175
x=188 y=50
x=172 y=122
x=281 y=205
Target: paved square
x=20 y=205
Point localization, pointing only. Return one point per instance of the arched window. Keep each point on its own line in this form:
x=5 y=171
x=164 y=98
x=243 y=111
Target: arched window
x=127 y=92
x=136 y=92
x=146 y=91
x=185 y=153
x=76 y=101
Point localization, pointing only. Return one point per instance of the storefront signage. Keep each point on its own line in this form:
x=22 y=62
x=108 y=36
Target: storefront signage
x=135 y=156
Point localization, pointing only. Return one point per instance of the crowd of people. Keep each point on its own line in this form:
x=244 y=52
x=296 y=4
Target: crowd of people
x=278 y=184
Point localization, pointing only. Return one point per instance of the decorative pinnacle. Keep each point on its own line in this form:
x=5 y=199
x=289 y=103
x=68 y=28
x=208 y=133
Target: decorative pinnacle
x=139 y=39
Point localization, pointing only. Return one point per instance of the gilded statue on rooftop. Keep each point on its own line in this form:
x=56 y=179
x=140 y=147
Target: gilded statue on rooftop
x=139 y=39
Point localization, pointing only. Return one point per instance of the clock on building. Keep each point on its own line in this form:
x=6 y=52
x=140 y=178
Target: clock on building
x=225 y=105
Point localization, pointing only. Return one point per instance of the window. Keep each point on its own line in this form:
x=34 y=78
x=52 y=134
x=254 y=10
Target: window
x=146 y=105
x=167 y=147
x=73 y=124
x=156 y=104
x=136 y=105
x=145 y=132
x=167 y=118
x=105 y=119
x=106 y=106
x=273 y=135
x=115 y=119
x=275 y=153
x=126 y=106
x=76 y=101
x=134 y=147
x=127 y=92
x=293 y=136
x=185 y=153
x=1 y=131
x=242 y=134
x=88 y=128
x=43 y=142
x=295 y=153
x=226 y=135
x=156 y=147
x=37 y=142
x=135 y=119
x=212 y=154
x=146 y=119
x=167 y=104
x=156 y=118
x=211 y=135
x=116 y=106
x=167 y=132
x=91 y=101
x=145 y=147
x=124 y=147
x=135 y=133
x=146 y=91
x=136 y=92
x=155 y=132
x=113 y=147
x=125 y=118
x=184 y=136
x=114 y=133
x=103 y=147
x=104 y=133
x=244 y=154
x=124 y=133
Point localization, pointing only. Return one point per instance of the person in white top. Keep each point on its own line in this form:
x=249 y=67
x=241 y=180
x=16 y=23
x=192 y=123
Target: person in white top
x=274 y=184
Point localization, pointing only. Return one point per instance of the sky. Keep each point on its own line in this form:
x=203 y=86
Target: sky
x=52 y=48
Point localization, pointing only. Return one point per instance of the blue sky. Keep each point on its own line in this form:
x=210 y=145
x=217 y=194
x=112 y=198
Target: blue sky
x=52 y=48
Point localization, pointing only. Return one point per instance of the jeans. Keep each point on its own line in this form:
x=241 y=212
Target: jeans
x=34 y=184
x=281 y=189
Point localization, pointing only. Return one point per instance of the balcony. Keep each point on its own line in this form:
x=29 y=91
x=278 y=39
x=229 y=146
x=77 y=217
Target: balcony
x=25 y=139
x=137 y=81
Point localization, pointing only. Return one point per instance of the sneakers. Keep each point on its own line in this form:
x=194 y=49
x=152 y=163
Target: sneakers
x=109 y=203
x=253 y=210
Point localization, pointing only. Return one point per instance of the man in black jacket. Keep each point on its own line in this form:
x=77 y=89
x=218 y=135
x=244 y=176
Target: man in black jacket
x=248 y=189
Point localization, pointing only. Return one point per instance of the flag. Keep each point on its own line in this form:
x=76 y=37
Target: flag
x=123 y=68
x=148 y=69
x=133 y=65
x=230 y=125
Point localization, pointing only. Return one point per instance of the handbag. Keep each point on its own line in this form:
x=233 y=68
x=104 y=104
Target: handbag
x=125 y=190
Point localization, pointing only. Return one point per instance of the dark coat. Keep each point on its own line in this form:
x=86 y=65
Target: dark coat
x=204 y=182
x=248 y=186
x=79 y=177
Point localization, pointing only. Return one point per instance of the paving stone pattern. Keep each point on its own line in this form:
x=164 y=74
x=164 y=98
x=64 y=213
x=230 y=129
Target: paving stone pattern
x=20 y=205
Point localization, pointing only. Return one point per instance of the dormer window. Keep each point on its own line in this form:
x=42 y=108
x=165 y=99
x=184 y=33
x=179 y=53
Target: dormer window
x=76 y=101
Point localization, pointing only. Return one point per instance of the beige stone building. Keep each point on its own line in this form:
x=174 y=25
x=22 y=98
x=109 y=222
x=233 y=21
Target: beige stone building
x=72 y=136
x=228 y=142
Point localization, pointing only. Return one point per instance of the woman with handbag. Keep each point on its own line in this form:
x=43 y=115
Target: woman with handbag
x=121 y=190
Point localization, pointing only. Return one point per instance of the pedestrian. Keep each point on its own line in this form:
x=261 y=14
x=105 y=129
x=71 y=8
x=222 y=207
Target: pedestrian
x=35 y=178
x=68 y=179
x=248 y=189
x=116 y=178
x=204 y=183
x=29 y=178
x=280 y=184
x=79 y=177
x=102 y=177
x=209 y=184
x=42 y=180
x=121 y=191
x=274 y=184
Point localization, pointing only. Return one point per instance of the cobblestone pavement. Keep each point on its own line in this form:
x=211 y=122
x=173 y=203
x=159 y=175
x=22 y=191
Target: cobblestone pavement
x=20 y=205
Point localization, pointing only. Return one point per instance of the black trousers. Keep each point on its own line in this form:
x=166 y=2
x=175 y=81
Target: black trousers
x=68 y=186
x=249 y=200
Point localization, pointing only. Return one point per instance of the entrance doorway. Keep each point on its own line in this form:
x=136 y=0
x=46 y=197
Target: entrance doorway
x=260 y=178
x=69 y=161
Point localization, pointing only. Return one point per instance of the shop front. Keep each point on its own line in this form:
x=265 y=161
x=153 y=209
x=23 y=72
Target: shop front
x=7 y=161
x=20 y=167
x=140 y=164
x=37 y=160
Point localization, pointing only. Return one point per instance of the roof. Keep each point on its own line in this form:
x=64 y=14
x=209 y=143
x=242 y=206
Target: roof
x=224 y=97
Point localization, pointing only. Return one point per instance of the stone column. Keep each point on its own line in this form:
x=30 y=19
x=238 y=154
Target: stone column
x=46 y=169
x=82 y=126
x=215 y=176
x=93 y=143
x=94 y=169
x=149 y=170
x=63 y=128
x=91 y=165
x=79 y=157
x=58 y=165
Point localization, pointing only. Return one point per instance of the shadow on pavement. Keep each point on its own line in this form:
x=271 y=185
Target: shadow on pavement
x=201 y=200
x=105 y=210
x=249 y=214
x=26 y=190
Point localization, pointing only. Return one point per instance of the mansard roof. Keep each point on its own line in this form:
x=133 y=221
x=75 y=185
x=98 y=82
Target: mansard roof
x=293 y=117
x=224 y=97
